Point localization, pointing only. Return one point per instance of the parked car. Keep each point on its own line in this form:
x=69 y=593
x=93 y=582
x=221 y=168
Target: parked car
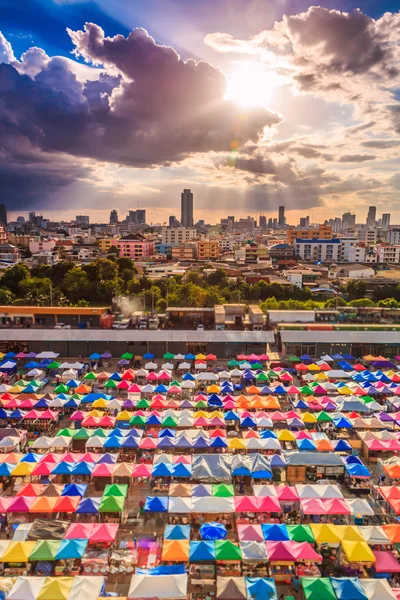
x=200 y=327
x=62 y=326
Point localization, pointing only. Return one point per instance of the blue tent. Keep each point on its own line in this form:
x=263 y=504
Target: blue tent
x=72 y=403
x=166 y=433
x=71 y=549
x=241 y=471
x=162 y=470
x=190 y=356
x=166 y=442
x=277 y=461
x=342 y=423
x=275 y=533
x=355 y=470
x=177 y=532
x=183 y=442
x=63 y=468
x=301 y=404
x=109 y=459
x=343 y=364
x=95 y=356
x=115 y=376
x=201 y=491
x=81 y=468
x=202 y=551
x=201 y=443
x=31 y=457
x=156 y=504
x=304 y=357
x=74 y=489
x=248 y=422
x=17 y=414
x=181 y=470
x=280 y=390
x=218 y=442
x=161 y=389
x=4 y=414
x=265 y=391
x=353 y=460
x=73 y=383
x=44 y=363
x=113 y=442
x=42 y=403
x=213 y=531
x=130 y=442
x=231 y=416
x=5 y=469
x=266 y=434
x=31 y=365
x=348 y=588
x=337 y=356
x=261 y=588
x=92 y=396
x=30 y=389
x=306 y=445
x=188 y=377
x=343 y=446
x=89 y=506
x=215 y=401
x=148 y=356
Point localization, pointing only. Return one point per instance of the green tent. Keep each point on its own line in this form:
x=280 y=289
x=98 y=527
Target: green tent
x=294 y=358
x=177 y=383
x=45 y=550
x=169 y=356
x=34 y=383
x=116 y=489
x=200 y=404
x=300 y=533
x=127 y=356
x=227 y=550
x=233 y=363
x=262 y=377
x=82 y=434
x=110 y=384
x=222 y=490
x=61 y=389
x=138 y=420
x=315 y=588
x=90 y=375
x=143 y=403
x=169 y=422
x=272 y=373
x=367 y=399
x=113 y=504
x=100 y=432
x=53 y=365
x=66 y=432
x=306 y=390
x=323 y=417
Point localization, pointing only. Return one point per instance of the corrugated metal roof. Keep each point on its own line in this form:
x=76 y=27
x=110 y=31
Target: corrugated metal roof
x=343 y=336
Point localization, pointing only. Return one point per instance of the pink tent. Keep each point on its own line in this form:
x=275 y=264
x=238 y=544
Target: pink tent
x=286 y=493
x=246 y=503
x=278 y=416
x=147 y=444
x=28 y=403
x=182 y=458
x=78 y=531
x=33 y=414
x=51 y=458
x=78 y=415
x=12 y=403
x=141 y=470
x=285 y=377
x=201 y=422
x=5 y=503
x=20 y=504
x=336 y=506
x=292 y=389
x=280 y=552
x=268 y=504
x=107 y=421
x=263 y=357
x=305 y=552
x=43 y=469
x=103 y=532
x=386 y=562
x=90 y=457
x=302 y=435
x=50 y=415
x=312 y=506
x=123 y=385
x=134 y=388
x=152 y=376
x=90 y=421
x=174 y=389
x=102 y=470
x=250 y=533
x=292 y=415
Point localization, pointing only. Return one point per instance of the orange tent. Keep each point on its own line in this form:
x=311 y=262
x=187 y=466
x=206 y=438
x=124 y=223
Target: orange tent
x=176 y=550
x=252 y=390
x=324 y=446
x=393 y=471
x=82 y=389
x=67 y=504
x=393 y=532
x=43 y=504
x=272 y=403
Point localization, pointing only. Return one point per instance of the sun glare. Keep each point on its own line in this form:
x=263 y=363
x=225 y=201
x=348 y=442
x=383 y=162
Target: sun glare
x=251 y=85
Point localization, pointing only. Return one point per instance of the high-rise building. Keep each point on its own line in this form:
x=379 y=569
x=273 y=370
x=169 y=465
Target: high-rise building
x=281 y=216
x=304 y=222
x=187 y=208
x=31 y=216
x=141 y=216
x=270 y=224
x=263 y=222
x=348 y=220
x=385 y=220
x=82 y=219
x=113 y=217
x=371 y=218
x=3 y=214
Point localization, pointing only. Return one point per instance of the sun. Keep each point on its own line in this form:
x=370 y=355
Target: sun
x=251 y=84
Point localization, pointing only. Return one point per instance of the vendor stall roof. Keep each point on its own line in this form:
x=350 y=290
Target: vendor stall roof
x=163 y=586
x=319 y=459
x=231 y=588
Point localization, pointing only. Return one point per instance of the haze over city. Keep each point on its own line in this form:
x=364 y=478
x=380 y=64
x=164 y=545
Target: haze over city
x=251 y=104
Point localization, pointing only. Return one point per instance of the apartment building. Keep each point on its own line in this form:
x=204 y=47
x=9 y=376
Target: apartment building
x=207 y=250
x=135 y=247
x=322 y=232
x=184 y=251
x=317 y=250
x=177 y=235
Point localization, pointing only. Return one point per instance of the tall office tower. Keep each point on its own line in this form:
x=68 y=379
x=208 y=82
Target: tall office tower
x=171 y=220
x=371 y=218
x=3 y=214
x=281 y=216
x=304 y=222
x=113 y=217
x=187 y=208
x=31 y=217
x=270 y=224
x=82 y=220
x=275 y=223
x=132 y=216
x=348 y=220
x=263 y=222
x=385 y=220
x=141 y=216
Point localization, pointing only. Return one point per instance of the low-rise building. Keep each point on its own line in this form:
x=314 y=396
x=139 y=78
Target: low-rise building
x=322 y=232
x=184 y=251
x=302 y=277
x=106 y=243
x=388 y=254
x=9 y=255
x=207 y=250
x=177 y=235
x=37 y=245
x=317 y=250
x=135 y=246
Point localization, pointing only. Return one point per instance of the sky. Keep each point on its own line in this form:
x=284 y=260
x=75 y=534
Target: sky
x=252 y=104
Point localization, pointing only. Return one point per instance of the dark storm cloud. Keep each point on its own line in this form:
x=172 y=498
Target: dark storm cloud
x=152 y=109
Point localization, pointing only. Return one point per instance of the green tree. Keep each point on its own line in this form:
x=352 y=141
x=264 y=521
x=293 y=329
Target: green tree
x=42 y=271
x=59 y=270
x=35 y=290
x=332 y=303
x=356 y=289
x=13 y=276
x=113 y=250
x=388 y=303
x=76 y=285
x=194 y=277
x=161 y=305
x=6 y=297
x=362 y=302
x=125 y=263
x=217 y=277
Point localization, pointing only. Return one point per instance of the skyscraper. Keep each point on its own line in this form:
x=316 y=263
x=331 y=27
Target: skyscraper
x=82 y=219
x=187 y=208
x=385 y=220
x=113 y=217
x=348 y=220
x=3 y=214
x=371 y=218
x=304 y=222
x=141 y=216
x=281 y=216
x=263 y=222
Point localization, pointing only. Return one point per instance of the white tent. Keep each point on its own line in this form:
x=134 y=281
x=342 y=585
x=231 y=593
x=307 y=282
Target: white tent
x=231 y=588
x=236 y=373
x=9 y=441
x=150 y=366
x=377 y=589
x=148 y=389
x=163 y=586
x=42 y=443
x=264 y=490
x=337 y=374
x=21 y=533
x=86 y=587
x=329 y=491
x=207 y=377
x=307 y=491
x=114 y=404
x=200 y=366
x=213 y=505
x=47 y=354
x=244 y=365
x=26 y=588
x=185 y=421
x=373 y=534
x=69 y=374
x=95 y=442
x=58 y=402
x=167 y=459
x=167 y=366
x=185 y=366
x=141 y=373
x=179 y=504
x=61 y=441
x=360 y=506
x=179 y=357
x=34 y=373
x=225 y=375
x=4 y=388
x=254 y=550
x=188 y=385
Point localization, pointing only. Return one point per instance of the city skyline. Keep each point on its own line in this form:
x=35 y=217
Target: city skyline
x=249 y=127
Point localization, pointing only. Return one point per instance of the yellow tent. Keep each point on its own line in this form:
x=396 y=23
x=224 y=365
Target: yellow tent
x=56 y=588
x=200 y=413
x=100 y=403
x=321 y=377
x=325 y=534
x=22 y=469
x=96 y=413
x=213 y=389
x=286 y=436
x=345 y=391
x=368 y=357
x=358 y=552
x=215 y=413
x=236 y=444
x=18 y=552
x=313 y=367
x=200 y=357
x=309 y=418
x=124 y=415
x=16 y=389
x=349 y=533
